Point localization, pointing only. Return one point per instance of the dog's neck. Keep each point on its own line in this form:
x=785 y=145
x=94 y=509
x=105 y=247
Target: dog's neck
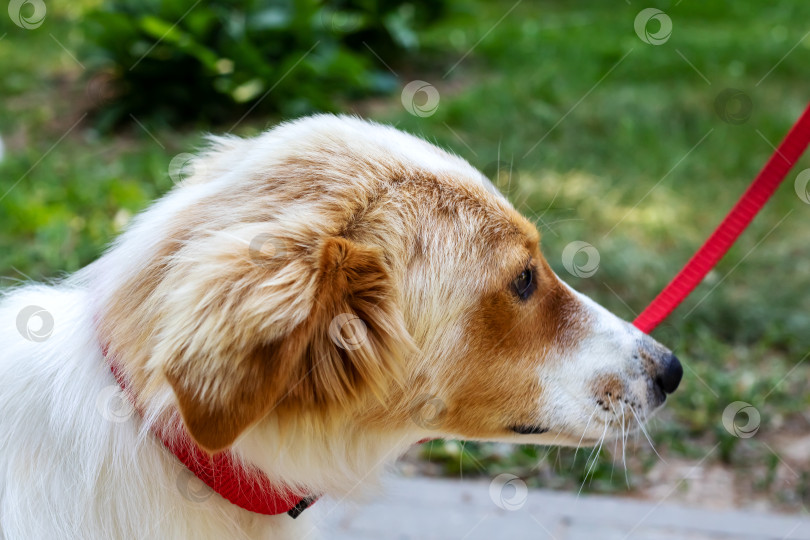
x=249 y=489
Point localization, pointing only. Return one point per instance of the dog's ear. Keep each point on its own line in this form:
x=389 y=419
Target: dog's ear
x=258 y=323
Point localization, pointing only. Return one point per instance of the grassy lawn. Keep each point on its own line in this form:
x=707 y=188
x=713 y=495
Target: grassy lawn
x=609 y=140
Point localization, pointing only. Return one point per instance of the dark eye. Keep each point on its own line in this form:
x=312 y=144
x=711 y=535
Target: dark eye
x=523 y=285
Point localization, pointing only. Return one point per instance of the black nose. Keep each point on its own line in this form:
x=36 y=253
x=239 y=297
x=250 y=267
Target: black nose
x=670 y=375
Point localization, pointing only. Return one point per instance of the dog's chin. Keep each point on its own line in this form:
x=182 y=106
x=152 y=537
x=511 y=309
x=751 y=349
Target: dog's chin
x=547 y=438
x=568 y=438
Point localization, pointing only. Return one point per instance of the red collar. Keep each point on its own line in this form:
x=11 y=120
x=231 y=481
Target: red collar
x=251 y=490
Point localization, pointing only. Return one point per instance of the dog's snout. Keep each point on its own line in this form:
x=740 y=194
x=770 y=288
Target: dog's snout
x=670 y=374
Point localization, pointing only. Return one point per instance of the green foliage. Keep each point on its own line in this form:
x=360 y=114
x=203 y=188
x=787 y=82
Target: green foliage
x=218 y=59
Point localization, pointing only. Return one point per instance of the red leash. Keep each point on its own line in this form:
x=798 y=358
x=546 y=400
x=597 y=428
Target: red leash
x=733 y=225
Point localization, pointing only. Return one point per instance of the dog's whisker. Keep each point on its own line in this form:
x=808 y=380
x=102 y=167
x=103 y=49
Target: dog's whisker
x=597 y=446
x=584 y=431
x=646 y=434
x=593 y=458
x=598 y=454
x=624 y=447
x=615 y=442
x=552 y=447
x=548 y=207
x=613 y=457
x=562 y=221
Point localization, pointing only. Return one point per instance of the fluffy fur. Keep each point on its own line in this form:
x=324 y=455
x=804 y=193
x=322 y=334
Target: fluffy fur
x=315 y=300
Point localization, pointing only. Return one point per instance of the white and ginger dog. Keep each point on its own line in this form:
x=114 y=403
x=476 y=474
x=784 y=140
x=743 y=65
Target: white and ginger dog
x=292 y=305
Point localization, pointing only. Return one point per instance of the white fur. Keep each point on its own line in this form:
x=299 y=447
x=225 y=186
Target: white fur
x=66 y=471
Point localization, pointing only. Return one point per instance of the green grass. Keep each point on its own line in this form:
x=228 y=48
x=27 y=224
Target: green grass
x=634 y=159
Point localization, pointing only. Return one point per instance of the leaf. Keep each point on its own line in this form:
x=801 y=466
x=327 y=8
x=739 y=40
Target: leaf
x=275 y=18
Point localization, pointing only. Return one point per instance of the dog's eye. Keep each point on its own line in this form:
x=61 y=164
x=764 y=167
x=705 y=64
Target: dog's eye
x=523 y=285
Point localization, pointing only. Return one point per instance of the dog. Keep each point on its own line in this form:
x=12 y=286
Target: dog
x=309 y=303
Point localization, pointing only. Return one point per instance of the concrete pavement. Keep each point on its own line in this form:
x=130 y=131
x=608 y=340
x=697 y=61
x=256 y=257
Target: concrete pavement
x=423 y=508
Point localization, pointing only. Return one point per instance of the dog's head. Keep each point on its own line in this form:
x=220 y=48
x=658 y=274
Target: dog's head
x=337 y=271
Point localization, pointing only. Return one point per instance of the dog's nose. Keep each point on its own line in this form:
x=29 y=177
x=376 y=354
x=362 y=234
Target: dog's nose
x=670 y=375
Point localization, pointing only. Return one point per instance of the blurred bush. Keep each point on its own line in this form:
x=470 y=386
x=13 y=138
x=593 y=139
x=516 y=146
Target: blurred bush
x=179 y=60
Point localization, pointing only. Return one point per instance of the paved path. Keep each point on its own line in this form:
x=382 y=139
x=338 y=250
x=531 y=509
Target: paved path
x=420 y=508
